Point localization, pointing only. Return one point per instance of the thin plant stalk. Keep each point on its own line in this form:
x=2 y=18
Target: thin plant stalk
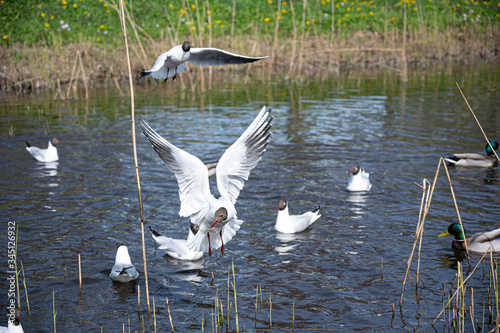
x=25 y=288
x=15 y=267
x=124 y=31
x=80 y=271
x=54 y=309
x=154 y=314
x=293 y=316
x=235 y=302
x=170 y=316
x=480 y=127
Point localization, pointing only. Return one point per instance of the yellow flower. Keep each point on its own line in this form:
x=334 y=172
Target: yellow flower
x=193 y=28
x=105 y=5
x=348 y=9
x=86 y=12
x=393 y=18
x=39 y=6
x=43 y=14
x=107 y=11
x=65 y=7
x=47 y=25
x=218 y=21
x=307 y=22
x=337 y=5
x=64 y=2
x=171 y=6
x=280 y=17
x=270 y=1
x=359 y=9
x=340 y=21
x=370 y=13
x=193 y=7
x=52 y=17
x=415 y=8
x=75 y=5
x=458 y=5
x=283 y=11
x=323 y=2
x=209 y=12
x=284 y=3
x=267 y=19
x=5 y=37
x=222 y=25
x=346 y=14
x=190 y=22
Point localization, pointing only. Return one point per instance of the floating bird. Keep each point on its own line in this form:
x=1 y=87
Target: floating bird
x=176 y=248
x=290 y=224
x=170 y=63
x=480 y=242
x=474 y=159
x=44 y=155
x=14 y=325
x=216 y=218
x=360 y=180
x=123 y=270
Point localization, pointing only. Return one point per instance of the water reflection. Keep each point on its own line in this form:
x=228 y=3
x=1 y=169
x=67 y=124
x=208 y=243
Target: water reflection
x=185 y=270
x=357 y=202
x=48 y=169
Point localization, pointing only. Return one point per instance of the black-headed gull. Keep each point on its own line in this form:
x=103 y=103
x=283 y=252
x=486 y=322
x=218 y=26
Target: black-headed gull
x=14 y=325
x=123 y=270
x=475 y=160
x=176 y=248
x=216 y=217
x=170 y=63
x=359 y=181
x=44 y=155
x=290 y=224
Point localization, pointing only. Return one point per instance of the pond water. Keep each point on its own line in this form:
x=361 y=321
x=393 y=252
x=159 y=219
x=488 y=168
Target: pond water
x=343 y=273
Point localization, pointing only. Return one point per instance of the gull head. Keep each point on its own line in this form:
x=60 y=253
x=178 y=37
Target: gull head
x=354 y=170
x=220 y=215
x=282 y=204
x=186 y=46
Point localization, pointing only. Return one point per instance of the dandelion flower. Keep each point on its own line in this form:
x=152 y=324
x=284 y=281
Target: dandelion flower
x=393 y=18
x=107 y=11
x=370 y=13
x=267 y=19
x=52 y=17
x=39 y=6
x=209 y=12
x=75 y=5
x=47 y=25
x=171 y=6
x=218 y=21
x=308 y=22
x=340 y=21
x=43 y=14
x=222 y=26
x=346 y=14
x=193 y=28
x=5 y=37
x=102 y=27
x=98 y=39
x=105 y=5
x=359 y=9
x=193 y=7
x=270 y=1
x=86 y=12
x=283 y=11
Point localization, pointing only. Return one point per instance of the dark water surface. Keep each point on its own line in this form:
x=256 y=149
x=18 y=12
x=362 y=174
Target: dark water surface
x=329 y=275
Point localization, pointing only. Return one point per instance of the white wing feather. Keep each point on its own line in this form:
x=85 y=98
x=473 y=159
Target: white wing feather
x=242 y=156
x=212 y=56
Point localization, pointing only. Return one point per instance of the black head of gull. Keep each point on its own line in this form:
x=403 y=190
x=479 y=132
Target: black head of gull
x=186 y=46
x=354 y=170
x=282 y=204
x=220 y=215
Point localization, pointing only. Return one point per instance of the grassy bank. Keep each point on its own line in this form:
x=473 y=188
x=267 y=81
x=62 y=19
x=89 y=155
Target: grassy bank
x=40 y=41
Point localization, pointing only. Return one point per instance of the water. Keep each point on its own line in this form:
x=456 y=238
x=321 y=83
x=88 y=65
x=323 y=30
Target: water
x=330 y=276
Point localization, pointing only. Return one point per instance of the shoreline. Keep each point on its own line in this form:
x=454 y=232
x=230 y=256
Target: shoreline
x=26 y=69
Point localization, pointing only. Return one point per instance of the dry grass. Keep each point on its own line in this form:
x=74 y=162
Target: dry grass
x=25 y=68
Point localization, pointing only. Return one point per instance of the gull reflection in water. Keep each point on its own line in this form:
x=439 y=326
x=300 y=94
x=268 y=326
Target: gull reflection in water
x=185 y=270
x=356 y=202
x=47 y=169
x=284 y=248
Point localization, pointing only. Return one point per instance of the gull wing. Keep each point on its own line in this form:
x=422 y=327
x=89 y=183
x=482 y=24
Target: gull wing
x=191 y=174
x=213 y=56
x=242 y=156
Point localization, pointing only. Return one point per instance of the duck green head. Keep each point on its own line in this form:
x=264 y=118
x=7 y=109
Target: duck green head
x=455 y=230
x=495 y=146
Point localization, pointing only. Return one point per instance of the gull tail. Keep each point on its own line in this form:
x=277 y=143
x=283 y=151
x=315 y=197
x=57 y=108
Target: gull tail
x=154 y=232
x=28 y=144
x=145 y=73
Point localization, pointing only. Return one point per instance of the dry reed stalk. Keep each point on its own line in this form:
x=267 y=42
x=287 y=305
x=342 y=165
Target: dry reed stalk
x=25 y=288
x=138 y=294
x=294 y=42
x=84 y=76
x=124 y=31
x=464 y=281
x=80 y=271
x=154 y=314
x=54 y=309
x=235 y=301
x=480 y=127
x=72 y=75
x=170 y=316
x=403 y=55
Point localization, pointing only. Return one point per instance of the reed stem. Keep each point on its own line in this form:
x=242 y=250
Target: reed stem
x=80 y=271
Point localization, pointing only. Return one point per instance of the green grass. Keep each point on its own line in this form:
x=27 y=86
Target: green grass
x=96 y=21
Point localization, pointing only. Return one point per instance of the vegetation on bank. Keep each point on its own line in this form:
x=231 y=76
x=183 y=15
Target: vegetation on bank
x=96 y=21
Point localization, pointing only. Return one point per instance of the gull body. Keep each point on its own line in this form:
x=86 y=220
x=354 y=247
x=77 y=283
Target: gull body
x=123 y=270
x=176 y=248
x=290 y=224
x=44 y=155
x=479 y=243
x=359 y=181
x=216 y=217
x=170 y=63
x=475 y=160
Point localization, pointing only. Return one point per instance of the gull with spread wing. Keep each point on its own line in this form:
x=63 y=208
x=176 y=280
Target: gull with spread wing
x=171 y=63
x=216 y=217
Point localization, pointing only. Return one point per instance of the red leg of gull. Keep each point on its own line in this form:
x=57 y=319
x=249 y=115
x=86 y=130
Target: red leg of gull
x=222 y=248
x=209 y=246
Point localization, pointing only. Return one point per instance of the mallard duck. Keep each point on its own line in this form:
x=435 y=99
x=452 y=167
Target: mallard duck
x=480 y=242
x=474 y=159
x=290 y=224
x=360 y=180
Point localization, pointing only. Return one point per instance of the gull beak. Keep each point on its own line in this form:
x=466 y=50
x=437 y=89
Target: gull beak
x=215 y=222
